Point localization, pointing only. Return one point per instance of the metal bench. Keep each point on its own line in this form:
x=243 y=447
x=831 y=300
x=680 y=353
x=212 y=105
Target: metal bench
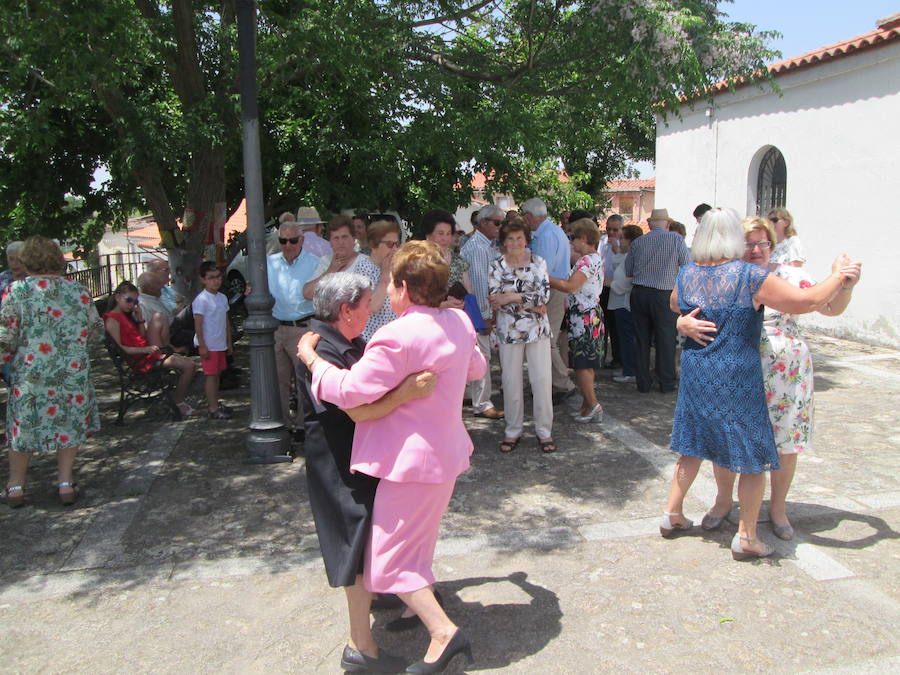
x=155 y=386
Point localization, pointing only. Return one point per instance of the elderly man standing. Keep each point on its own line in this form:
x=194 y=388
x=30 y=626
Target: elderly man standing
x=479 y=251
x=311 y=225
x=287 y=272
x=608 y=253
x=552 y=244
x=653 y=262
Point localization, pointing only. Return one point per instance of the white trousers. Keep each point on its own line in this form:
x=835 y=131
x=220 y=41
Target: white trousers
x=512 y=359
x=480 y=390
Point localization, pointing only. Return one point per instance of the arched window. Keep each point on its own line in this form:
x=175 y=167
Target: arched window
x=771 y=182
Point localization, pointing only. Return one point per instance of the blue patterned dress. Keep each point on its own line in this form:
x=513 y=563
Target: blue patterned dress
x=721 y=413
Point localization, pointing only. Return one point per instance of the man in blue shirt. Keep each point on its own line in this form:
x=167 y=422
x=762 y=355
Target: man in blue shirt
x=287 y=272
x=550 y=243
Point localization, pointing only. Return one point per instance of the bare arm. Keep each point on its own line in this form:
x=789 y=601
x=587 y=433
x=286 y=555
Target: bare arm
x=115 y=332
x=783 y=297
x=417 y=385
x=838 y=303
x=570 y=285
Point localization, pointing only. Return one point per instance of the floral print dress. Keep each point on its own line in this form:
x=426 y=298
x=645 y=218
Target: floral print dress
x=513 y=323
x=45 y=325
x=584 y=321
x=788 y=372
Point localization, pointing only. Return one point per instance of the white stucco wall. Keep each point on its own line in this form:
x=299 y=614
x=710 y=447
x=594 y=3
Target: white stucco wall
x=838 y=127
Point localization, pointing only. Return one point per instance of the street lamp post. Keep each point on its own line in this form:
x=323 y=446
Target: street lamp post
x=268 y=441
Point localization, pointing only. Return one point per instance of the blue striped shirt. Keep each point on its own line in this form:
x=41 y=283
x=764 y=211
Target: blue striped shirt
x=479 y=252
x=655 y=258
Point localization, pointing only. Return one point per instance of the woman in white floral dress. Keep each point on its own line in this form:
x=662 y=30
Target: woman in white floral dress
x=519 y=290
x=788 y=377
x=584 y=321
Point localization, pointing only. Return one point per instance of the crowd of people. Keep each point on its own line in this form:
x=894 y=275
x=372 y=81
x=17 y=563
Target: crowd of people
x=376 y=335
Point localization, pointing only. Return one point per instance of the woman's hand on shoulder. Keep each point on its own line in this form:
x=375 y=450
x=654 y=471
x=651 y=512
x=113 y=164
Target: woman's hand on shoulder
x=306 y=348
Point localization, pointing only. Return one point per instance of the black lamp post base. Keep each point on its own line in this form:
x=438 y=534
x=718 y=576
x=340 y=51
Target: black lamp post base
x=270 y=446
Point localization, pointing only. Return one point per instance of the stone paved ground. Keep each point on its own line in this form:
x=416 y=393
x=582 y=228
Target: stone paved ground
x=181 y=558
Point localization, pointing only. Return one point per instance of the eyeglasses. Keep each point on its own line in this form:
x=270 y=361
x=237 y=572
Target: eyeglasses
x=390 y=244
x=765 y=243
x=495 y=221
x=131 y=301
x=285 y=240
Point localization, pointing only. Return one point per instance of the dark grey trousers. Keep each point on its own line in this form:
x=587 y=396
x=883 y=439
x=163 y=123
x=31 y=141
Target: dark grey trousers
x=652 y=316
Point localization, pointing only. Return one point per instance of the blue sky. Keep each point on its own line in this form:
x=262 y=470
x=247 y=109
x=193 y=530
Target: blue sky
x=809 y=24
x=805 y=25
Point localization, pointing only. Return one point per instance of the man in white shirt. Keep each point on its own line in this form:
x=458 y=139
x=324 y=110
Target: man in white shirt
x=608 y=251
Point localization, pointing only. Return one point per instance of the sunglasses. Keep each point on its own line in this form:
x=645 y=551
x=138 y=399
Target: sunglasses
x=285 y=240
x=495 y=221
x=131 y=301
x=774 y=220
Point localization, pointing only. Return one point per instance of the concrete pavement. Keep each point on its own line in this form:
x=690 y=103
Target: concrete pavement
x=181 y=558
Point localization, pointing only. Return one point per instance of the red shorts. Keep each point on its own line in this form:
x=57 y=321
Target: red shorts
x=215 y=364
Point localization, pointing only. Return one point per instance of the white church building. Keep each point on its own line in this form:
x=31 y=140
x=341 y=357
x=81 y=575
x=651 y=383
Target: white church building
x=826 y=146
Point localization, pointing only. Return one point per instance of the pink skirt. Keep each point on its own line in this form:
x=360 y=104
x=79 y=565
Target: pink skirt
x=406 y=519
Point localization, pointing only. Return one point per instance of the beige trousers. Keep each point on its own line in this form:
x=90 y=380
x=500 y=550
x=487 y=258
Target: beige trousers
x=286 y=340
x=556 y=309
x=512 y=358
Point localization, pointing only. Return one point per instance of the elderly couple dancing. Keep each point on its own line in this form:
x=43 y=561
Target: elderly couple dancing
x=378 y=491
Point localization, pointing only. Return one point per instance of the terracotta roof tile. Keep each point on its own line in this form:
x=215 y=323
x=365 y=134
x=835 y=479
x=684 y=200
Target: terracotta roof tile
x=887 y=31
x=631 y=184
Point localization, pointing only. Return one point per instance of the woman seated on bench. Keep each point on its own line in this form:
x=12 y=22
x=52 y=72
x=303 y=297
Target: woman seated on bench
x=127 y=327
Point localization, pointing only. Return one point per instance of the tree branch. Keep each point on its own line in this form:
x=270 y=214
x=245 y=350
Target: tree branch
x=461 y=14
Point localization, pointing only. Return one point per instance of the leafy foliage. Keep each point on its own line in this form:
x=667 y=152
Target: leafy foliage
x=378 y=105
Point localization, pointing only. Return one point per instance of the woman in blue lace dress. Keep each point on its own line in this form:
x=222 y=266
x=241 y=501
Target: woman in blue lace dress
x=721 y=414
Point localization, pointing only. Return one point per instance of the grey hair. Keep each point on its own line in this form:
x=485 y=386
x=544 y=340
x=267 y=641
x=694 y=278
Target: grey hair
x=147 y=280
x=619 y=219
x=12 y=248
x=336 y=289
x=535 y=207
x=720 y=236
x=490 y=211
x=290 y=225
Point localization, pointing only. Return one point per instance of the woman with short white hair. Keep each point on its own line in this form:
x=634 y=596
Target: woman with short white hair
x=721 y=414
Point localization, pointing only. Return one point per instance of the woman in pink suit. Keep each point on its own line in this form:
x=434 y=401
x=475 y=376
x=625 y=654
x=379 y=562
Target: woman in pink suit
x=420 y=448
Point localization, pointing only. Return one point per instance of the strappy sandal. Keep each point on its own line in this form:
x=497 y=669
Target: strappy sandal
x=547 y=446
x=13 y=501
x=71 y=497
x=509 y=446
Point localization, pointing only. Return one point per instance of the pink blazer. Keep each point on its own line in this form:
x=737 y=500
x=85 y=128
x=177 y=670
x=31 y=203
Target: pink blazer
x=422 y=441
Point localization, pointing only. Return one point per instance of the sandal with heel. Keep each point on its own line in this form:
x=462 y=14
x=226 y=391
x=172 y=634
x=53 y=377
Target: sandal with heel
x=738 y=552
x=13 y=501
x=508 y=446
x=669 y=529
x=70 y=497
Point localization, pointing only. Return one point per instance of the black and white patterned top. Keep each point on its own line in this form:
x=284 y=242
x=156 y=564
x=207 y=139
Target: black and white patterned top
x=513 y=323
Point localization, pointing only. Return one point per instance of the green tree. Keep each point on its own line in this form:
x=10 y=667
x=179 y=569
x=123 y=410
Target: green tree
x=390 y=104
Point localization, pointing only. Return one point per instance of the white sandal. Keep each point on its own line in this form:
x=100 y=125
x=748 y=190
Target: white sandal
x=667 y=528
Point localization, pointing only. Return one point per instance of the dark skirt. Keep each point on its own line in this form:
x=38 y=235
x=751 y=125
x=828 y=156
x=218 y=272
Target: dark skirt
x=341 y=501
x=586 y=349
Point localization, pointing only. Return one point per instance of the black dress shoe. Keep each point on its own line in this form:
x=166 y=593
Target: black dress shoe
x=459 y=643
x=353 y=661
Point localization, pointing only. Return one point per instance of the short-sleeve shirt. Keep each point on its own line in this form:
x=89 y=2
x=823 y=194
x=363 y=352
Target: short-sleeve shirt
x=788 y=251
x=587 y=297
x=214 y=308
x=364 y=265
x=286 y=281
x=515 y=324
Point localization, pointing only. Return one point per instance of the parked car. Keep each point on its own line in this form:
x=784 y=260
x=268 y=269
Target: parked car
x=236 y=274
